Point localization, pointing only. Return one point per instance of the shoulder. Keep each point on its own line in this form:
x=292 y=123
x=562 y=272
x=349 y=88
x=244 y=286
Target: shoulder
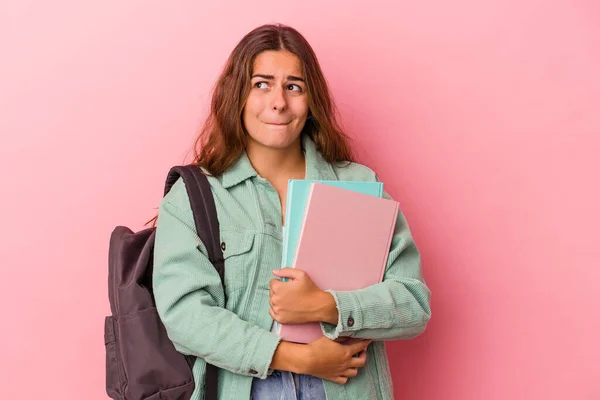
x=178 y=196
x=357 y=172
x=352 y=171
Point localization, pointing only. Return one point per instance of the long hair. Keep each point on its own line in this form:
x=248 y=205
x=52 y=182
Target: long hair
x=222 y=138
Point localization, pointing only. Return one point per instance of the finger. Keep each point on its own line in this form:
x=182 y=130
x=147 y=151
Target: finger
x=359 y=346
x=273 y=284
x=274 y=307
x=341 y=380
x=291 y=273
x=351 y=372
x=360 y=361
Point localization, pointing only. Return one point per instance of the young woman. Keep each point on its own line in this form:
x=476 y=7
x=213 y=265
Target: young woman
x=272 y=119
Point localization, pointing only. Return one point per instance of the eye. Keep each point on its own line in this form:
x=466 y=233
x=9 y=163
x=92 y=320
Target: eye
x=294 y=88
x=261 y=85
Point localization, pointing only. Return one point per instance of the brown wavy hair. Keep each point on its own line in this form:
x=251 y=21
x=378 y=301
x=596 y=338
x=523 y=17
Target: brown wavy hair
x=222 y=138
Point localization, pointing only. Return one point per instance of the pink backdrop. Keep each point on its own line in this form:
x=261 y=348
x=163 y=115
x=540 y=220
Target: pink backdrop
x=482 y=118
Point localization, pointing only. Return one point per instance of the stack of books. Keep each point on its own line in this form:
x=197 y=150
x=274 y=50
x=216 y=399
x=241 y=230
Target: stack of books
x=339 y=233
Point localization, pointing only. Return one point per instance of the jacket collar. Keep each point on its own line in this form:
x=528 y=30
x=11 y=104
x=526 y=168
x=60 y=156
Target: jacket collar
x=317 y=167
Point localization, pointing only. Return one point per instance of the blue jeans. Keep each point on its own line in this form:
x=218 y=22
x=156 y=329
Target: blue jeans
x=284 y=385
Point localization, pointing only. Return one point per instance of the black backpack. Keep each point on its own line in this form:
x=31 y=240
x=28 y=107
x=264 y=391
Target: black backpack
x=141 y=361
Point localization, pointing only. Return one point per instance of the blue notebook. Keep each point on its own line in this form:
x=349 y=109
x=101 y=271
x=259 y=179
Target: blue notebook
x=297 y=194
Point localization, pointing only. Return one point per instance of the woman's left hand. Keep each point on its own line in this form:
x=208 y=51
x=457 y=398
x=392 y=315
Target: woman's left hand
x=299 y=300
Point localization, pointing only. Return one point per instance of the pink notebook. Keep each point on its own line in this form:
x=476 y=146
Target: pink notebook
x=343 y=245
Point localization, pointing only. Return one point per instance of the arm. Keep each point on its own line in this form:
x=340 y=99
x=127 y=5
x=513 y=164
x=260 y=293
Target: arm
x=190 y=301
x=397 y=308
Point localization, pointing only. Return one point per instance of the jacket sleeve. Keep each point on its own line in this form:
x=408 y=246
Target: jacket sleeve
x=396 y=308
x=190 y=300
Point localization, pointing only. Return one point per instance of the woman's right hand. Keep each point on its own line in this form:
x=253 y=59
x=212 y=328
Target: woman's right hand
x=335 y=361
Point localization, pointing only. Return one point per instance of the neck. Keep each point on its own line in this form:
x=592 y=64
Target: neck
x=277 y=165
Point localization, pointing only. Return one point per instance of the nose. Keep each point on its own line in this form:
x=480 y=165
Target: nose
x=279 y=102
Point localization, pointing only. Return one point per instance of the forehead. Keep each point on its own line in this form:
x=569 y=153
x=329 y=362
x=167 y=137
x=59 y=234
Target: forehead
x=277 y=63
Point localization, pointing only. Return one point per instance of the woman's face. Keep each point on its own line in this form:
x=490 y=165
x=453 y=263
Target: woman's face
x=277 y=106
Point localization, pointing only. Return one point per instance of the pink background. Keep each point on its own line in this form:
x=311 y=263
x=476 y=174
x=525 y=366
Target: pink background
x=482 y=118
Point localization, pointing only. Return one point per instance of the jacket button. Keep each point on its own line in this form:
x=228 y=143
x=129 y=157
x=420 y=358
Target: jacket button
x=350 y=321
x=253 y=372
x=223 y=246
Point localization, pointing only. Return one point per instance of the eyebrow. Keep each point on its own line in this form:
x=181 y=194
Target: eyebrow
x=271 y=77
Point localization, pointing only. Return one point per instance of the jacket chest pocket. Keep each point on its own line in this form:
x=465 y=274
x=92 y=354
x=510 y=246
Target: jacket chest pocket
x=239 y=259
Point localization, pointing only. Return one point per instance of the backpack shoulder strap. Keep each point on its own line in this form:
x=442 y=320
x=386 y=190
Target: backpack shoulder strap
x=207 y=227
x=204 y=210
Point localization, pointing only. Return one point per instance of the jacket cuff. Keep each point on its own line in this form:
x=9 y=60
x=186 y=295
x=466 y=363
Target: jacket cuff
x=349 y=316
x=260 y=354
